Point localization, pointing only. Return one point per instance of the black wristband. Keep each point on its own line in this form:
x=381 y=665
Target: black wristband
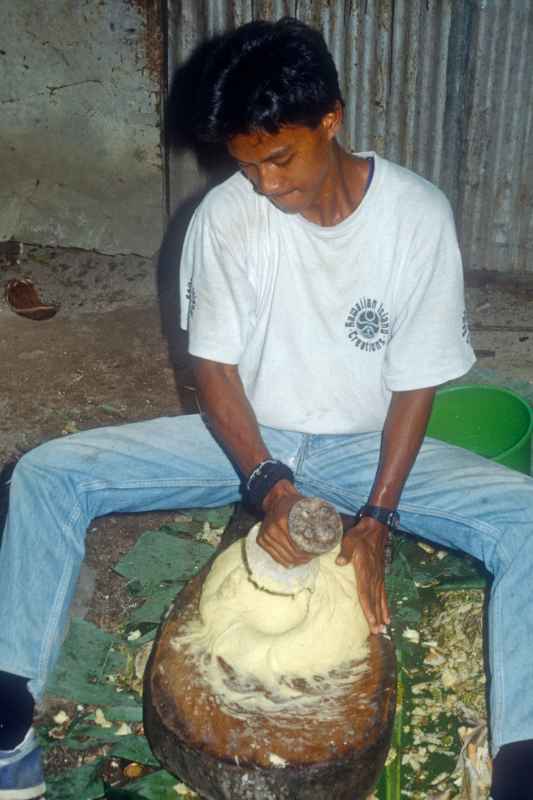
x=387 y=516
x=262 y=478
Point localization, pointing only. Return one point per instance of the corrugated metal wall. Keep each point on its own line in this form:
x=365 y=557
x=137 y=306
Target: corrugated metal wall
x=442 y=86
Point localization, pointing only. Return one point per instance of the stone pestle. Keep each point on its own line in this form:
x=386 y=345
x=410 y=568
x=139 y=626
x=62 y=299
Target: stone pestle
x=315 y=527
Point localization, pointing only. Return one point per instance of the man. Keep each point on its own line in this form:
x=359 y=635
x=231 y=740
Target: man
x=324 y=299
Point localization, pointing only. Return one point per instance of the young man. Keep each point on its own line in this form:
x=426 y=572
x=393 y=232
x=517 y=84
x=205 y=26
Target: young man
x=324 y=299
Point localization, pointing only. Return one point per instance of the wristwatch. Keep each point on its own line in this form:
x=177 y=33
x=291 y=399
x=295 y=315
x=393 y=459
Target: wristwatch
x=387 y=516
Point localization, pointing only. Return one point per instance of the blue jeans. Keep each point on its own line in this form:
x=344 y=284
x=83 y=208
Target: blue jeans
x=452 y=497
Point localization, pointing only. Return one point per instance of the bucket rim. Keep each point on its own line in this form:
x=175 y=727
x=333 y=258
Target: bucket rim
x=501 y=390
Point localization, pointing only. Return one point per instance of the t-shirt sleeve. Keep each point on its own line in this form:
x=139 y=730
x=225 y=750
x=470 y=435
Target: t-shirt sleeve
x=217 y=297
x=430 y=342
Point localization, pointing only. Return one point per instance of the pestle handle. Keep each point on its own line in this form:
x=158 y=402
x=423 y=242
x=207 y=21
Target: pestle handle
x=314 y=525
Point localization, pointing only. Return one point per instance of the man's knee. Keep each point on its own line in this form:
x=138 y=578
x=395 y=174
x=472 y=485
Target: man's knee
x=513 y=515
x=51 y=460
x=40 y=457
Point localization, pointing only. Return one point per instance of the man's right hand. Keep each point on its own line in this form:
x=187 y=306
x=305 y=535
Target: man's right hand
x=274 y=534
x=364 y=547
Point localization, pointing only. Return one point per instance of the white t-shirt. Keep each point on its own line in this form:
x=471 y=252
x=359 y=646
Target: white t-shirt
x=325 y=322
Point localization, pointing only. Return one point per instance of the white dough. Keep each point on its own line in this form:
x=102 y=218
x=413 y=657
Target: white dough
x=266 y=573
x=272 y=639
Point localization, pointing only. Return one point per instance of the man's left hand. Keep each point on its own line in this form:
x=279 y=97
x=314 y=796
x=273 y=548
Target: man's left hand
x=364 y=547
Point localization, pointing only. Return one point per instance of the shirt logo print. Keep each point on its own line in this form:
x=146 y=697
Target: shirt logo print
x=368 y=325
x=190 y=294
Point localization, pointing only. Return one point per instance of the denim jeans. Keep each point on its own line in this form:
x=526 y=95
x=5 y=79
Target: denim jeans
x=451 y=497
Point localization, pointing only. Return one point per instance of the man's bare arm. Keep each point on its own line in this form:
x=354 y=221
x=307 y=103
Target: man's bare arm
x=364 y=545
x=233 y=422
x=403 y=433
x=230 y=415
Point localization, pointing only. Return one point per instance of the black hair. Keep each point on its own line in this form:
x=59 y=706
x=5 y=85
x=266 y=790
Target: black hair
x=261 y=76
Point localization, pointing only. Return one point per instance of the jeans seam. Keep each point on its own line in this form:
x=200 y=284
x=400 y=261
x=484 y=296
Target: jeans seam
x=94 y=486
x=301 y=454
x=55 y=613
x=497 y=713
x=53 y=619
x=476 y=525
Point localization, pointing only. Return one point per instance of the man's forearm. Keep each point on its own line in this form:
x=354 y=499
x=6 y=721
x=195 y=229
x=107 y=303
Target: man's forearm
x=403 y=433
x=230 y=415
x=233 y=421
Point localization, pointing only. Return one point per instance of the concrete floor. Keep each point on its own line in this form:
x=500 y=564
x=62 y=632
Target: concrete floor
x=501 y=322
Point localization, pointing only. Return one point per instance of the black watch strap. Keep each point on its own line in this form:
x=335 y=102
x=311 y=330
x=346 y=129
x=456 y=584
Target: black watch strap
x=387 y=516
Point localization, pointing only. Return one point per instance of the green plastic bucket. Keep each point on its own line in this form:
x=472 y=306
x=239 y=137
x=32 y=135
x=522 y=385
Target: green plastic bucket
x=491 y=421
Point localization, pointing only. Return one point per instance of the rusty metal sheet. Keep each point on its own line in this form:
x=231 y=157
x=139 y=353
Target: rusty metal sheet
x=152 y=37
x=496 y=191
